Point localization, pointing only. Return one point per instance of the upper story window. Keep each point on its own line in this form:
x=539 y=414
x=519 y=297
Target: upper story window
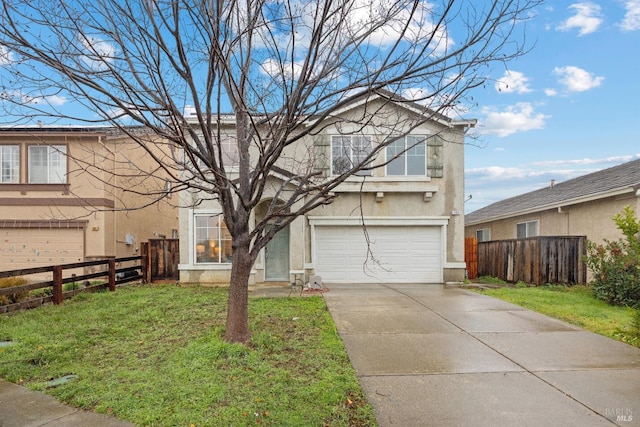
x=212 y=239
x=408 y=156
x=415 y=155
x=9 y=164
x=229 y=148
x=527 y=229
x=47 y=164
x=349 y=150
x=483 y=235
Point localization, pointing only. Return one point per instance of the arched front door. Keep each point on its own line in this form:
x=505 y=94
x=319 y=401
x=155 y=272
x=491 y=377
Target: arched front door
x=276 y=257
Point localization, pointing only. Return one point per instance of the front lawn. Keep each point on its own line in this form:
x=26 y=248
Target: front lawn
x=575 y=305
x=154 y=355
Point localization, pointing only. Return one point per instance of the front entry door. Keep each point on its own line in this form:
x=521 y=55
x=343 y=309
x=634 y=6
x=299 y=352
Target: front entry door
x=276 y=257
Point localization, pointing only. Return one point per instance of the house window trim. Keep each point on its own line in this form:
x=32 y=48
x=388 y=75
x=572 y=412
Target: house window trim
x=65 y=155
x=362 y=173
x=527 y=232
x=193 y=242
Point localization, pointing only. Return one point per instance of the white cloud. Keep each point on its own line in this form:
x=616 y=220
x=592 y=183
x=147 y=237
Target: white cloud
x=576 y=79
x=6 y=56
x=587 y=18
x=274 y=68
x=23 y=98
x=631 y=21
x=588 y=161
x=97 y=51
x=516 y=118
x=550 y=92
x=395 y=20
x=513 y=82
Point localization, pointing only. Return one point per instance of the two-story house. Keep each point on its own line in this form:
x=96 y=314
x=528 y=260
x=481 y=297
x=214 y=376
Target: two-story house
x=400 y=222
x=63 y=198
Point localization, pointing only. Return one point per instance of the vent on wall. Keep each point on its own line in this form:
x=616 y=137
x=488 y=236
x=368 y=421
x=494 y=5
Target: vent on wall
x=129 y=239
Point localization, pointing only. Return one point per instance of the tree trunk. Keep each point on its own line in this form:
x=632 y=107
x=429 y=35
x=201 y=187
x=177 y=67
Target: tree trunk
x=238 y=304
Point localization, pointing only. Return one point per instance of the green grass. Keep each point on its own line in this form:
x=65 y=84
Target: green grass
x=575 y=305
x=154 y=355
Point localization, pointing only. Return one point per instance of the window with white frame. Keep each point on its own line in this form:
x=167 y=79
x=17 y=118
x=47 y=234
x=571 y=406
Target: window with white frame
x=483 y=235
x=527 y=229
x=212 y=239
x=348 y=151
x=407 y=156
x=9 y=164
x=229 y=148
x=47 y=164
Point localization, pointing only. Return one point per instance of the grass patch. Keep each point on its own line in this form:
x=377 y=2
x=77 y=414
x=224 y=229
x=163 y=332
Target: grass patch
x=575 y=305
x=154 y=355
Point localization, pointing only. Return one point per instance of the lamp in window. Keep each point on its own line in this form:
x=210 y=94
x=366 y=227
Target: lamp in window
x=199 y=251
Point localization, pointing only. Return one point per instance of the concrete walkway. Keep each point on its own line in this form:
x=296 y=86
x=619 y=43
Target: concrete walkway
x=428 y=355
x=20 y=407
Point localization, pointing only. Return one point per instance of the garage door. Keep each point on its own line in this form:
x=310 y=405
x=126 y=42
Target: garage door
x=36 y=247
x=399 y=254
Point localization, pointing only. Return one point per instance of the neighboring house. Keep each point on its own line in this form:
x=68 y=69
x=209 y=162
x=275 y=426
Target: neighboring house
x=412 y=210
x=582 y=206
x=57 y=204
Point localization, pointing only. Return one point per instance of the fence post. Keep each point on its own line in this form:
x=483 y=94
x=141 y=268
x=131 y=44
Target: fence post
x=144 y=268
x=57 y=284
x=112 y=274
x=144 y=262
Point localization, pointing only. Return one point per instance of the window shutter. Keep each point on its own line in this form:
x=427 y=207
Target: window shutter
x=435 y=160
x=321 y=147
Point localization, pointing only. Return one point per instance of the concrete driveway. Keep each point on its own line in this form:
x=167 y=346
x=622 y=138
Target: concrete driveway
x=430 y=355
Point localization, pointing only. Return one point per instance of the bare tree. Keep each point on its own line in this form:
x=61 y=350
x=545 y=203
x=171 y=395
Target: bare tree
x=282 y=69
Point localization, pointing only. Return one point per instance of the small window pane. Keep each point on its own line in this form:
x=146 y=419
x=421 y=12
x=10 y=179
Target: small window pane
x=416 y=161
x=396 y=166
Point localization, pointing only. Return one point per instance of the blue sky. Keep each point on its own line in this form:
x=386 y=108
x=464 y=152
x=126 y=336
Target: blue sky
x=567 y=108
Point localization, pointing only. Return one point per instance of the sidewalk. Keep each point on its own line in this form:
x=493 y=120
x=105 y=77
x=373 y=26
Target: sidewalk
x=20 y=407
x=428 y=355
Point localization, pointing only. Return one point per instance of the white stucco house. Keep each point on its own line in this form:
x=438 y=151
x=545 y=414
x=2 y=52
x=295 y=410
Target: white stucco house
x=412 y=209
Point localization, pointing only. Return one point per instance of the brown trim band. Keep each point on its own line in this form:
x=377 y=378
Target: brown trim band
x=25 y=188
x=38 y=223
x=58 y=202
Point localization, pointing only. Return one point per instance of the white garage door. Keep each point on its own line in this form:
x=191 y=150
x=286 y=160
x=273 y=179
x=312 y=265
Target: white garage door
x=398 y=254
x=36 y=247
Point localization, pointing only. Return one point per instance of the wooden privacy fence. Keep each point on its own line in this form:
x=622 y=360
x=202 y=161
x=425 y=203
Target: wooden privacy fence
x=163 y=256
x=536 y=260
x=471 y=257
x=112 y=272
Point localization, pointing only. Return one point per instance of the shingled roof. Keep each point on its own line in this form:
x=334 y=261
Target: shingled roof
x=616 y=180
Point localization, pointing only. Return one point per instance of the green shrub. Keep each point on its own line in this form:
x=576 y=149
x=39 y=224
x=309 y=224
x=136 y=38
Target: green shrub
x=635 y=324
x=10 y=282
x=616 y=264
x=71 y=286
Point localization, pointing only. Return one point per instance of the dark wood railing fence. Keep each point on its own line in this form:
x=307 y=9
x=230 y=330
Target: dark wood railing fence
x=535 y=260
x=114 y=271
